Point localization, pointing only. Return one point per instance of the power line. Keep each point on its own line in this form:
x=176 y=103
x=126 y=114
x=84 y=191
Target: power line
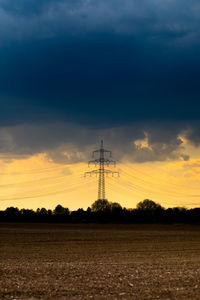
x=47 y=193
x=45 y=180
x=157 y=189
x=164 y=180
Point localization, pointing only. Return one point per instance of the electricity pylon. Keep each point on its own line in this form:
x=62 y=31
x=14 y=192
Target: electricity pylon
x=101 y=161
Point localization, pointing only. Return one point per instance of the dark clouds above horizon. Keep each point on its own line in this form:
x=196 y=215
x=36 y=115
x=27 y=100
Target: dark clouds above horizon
x=99 y=65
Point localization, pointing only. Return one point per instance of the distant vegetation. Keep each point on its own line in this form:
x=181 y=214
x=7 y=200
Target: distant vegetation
x=103 y=211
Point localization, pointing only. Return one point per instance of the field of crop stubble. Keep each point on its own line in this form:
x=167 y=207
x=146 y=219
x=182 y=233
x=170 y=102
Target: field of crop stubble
x=62 y=261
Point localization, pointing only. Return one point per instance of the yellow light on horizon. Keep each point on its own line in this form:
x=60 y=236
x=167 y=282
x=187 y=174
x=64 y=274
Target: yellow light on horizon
x=37 y=181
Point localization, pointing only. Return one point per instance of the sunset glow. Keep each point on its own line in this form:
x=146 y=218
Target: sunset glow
x=37 y=181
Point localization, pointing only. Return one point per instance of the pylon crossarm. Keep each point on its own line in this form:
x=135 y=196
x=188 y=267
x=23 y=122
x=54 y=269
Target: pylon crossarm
x=110 y=162
x=96 y=151
x=109 y=172
x=93 y=162
x=91 y=173
x=107 y=151
x=102 y=150
x=98 y=161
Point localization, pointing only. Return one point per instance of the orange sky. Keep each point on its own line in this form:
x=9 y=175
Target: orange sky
x=37 y=181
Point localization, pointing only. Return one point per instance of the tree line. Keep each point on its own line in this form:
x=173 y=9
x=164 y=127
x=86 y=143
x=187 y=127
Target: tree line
x=103 y=211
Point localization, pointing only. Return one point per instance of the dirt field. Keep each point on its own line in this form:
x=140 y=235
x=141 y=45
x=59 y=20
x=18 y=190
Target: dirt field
x=41 y=261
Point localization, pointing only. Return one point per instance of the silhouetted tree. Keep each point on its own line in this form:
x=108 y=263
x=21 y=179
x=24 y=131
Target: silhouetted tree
x=59 y=210
x=88 y=210
x=27 y=212
x=49 y=212
x=12 y=211
x=102 y=211
x=101 y=206
x=148 y=205
x=115 y=207
x=42 y=211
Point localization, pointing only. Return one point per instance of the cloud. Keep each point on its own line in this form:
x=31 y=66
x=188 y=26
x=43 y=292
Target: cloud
x=63 y=60
x=72 y=72
x=192 y=133
x=72 y=143
x=175 y=19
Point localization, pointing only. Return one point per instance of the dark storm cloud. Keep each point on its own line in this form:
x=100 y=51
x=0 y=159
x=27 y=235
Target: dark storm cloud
x=61 y=59
x=70 y=143
x=99 y=65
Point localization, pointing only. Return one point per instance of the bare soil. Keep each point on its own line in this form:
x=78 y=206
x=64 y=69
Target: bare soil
x=63 y=261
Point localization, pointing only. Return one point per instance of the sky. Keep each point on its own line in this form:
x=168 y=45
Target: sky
x=75 y=72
